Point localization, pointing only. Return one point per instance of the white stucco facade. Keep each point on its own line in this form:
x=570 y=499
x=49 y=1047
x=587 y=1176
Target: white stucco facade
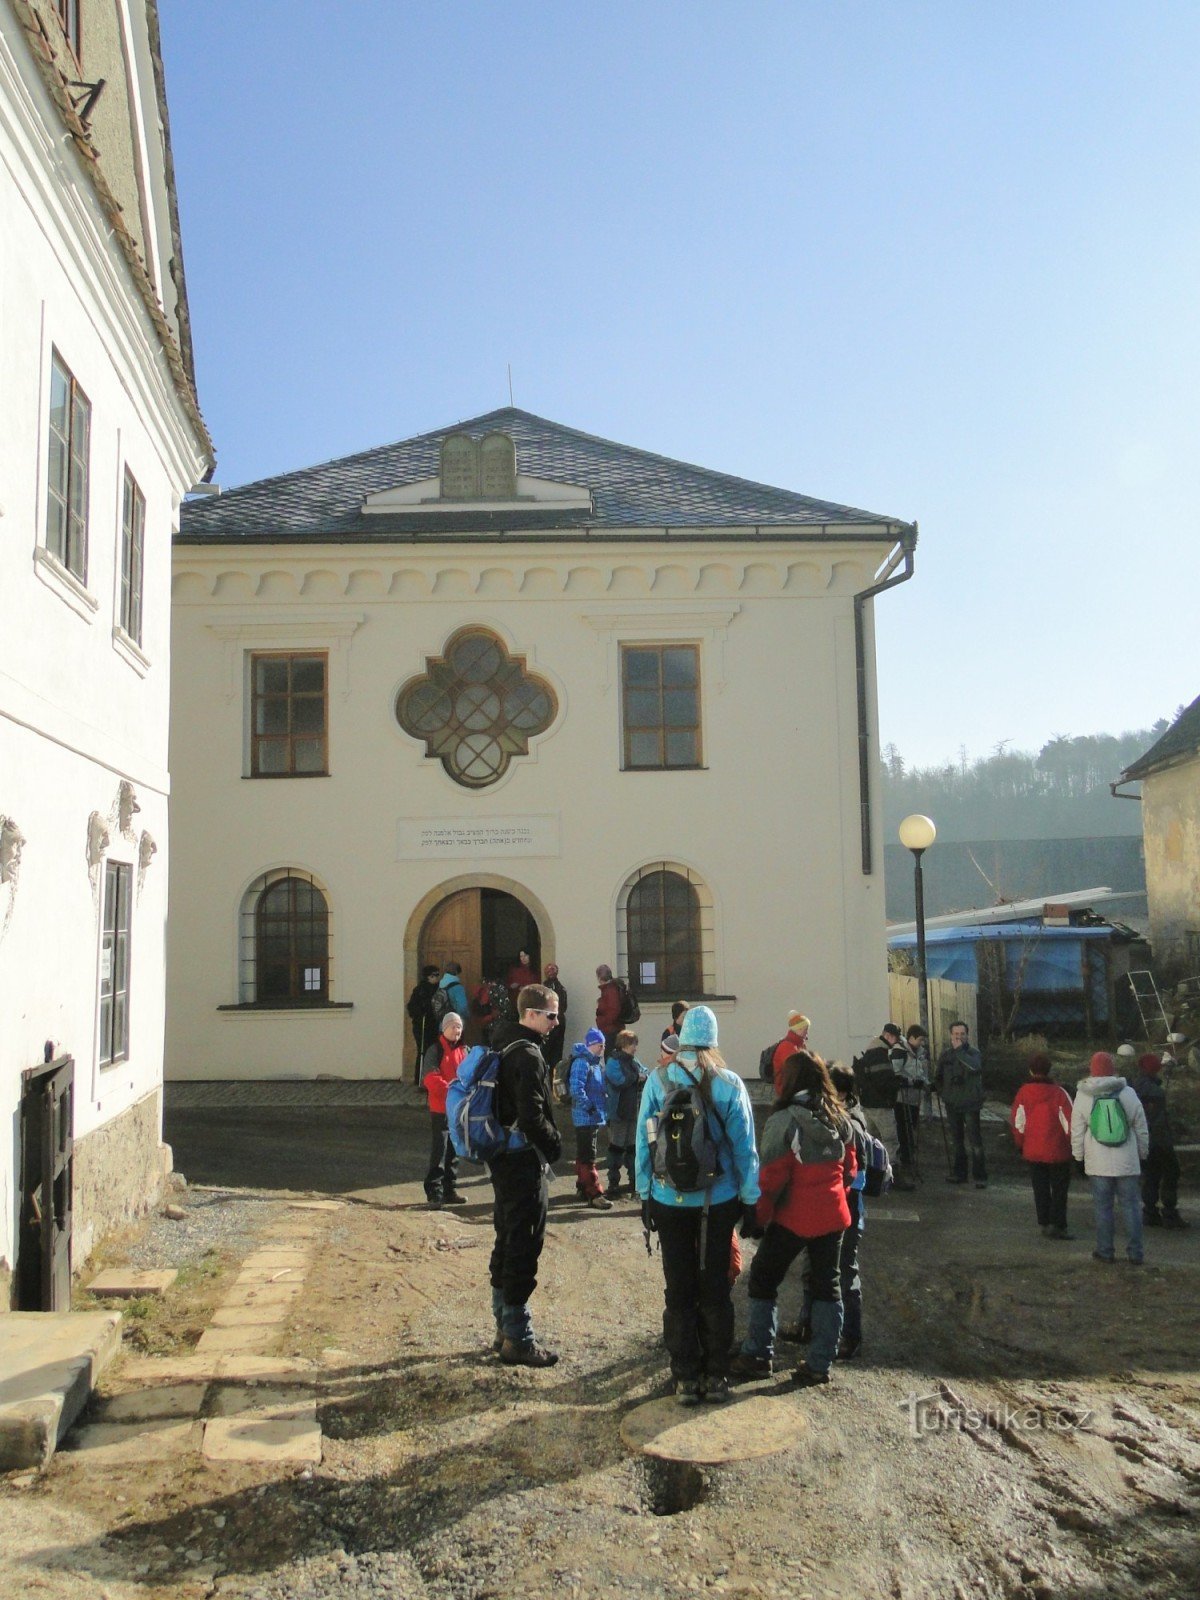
x=768 y=827
x=83 y=705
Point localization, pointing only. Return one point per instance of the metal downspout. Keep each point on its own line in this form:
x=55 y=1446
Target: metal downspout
x=908 y=543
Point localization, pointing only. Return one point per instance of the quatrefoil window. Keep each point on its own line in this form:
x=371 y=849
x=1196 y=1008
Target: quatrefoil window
x=476 y=707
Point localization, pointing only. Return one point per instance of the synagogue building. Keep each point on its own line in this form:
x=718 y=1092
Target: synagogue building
x=508 y=686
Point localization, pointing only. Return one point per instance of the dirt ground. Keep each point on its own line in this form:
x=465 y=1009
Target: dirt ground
x=1074 y=1470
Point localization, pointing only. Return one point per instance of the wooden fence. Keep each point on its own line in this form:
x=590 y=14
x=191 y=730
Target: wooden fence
x=948 y=1002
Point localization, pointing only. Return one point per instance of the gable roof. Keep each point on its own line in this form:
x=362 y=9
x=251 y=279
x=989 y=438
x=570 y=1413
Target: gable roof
x=631 y=490
x=1181 y=739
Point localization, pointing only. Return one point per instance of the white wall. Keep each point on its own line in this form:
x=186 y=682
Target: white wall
x=771 y=825
x=80 y=711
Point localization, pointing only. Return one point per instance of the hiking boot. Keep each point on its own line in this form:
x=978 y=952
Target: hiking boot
x=1046 y=1229
x=687 y=1392
x=848 y=1349
x=1152 y=1217
x=806 y=1377
x=1108 y=1260
x=742 y=1365
x=1136 y=1261
x=614 y=1191
x=956 y=1180
x=902 y=1182
x=498 y=1341
x=1059 y=1233
x=796 y=1332
x=981 y=1183
x=454 y=1199
x=717 y=1391
x=600 y=1202
x=514 y=1354
x=1172 y=1219
x=433 y=1202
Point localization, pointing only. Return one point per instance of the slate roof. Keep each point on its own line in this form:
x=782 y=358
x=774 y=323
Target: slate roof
x=1181 y=739
x=631 y=490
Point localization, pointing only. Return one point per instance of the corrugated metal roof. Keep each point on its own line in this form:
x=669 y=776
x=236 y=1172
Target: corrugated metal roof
x=631 y=489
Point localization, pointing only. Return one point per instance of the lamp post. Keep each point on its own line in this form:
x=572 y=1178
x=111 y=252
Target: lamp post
x=917 y=833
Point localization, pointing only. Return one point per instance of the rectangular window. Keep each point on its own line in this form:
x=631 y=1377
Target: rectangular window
x=288 y=716
x=69 y=15
x=133 y=534
x=67 y=471
x=660 y=704
x=114 y=963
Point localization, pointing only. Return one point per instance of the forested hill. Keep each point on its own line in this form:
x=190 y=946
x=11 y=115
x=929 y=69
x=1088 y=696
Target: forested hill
x=1061 y=792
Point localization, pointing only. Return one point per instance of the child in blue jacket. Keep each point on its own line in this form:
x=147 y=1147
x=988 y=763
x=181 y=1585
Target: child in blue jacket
x=589 y=1099
x=624 y=1075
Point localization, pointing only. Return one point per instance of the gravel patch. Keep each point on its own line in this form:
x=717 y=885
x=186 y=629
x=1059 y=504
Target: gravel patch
x=213 y=1219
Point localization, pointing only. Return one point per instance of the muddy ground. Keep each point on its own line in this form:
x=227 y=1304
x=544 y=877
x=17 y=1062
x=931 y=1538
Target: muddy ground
x=446 y=1475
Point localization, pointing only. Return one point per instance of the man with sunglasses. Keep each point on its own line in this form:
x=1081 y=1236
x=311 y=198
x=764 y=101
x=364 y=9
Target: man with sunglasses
x=524 y=1103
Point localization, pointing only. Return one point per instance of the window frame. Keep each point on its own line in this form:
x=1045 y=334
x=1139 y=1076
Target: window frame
x=117 y=899
x=70 y=19
x=669 y=981
x=661 y=729
x=299 y=995
x=133 y=558
x=254 y=697
x=77 y=463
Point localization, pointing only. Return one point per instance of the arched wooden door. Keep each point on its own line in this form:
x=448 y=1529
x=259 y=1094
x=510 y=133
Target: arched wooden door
x=453 y=932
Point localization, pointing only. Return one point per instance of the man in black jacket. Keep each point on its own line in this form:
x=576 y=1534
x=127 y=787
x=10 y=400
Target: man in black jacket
x=420 y=1013
x=524 y=1104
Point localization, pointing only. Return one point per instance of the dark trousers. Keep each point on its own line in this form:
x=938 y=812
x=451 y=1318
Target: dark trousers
x=965 y=1130
x=906 y=1134
x=443 y=1163
x=698 y=1315
x=1160 y=1180
x=519 y=1217
x=780 y=1248
x=849 y=1277
x=1051 y=1180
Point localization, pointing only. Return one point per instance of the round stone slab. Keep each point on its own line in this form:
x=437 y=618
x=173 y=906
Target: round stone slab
x=709 y=1435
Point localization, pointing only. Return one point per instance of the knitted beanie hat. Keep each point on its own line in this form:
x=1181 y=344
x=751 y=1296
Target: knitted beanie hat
x=798 y=1022
x=698 y=1030
x=1150 y=1063
x=593 y=1036
x=1102 y=1065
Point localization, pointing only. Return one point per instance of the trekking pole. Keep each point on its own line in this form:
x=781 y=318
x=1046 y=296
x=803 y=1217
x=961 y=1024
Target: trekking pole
x=945 y=1136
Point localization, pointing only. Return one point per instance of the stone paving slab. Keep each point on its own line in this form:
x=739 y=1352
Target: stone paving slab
x=246 y=1367
x=264 y=1294
x=250 y=1274
x=229 y=1340
x=235 y=1400
x=120 y=1283
x=252 y=1316
x=116 y=1443
x=263 y=1437
x=753 y=1425
x=49 y=1364
x=167 y=1400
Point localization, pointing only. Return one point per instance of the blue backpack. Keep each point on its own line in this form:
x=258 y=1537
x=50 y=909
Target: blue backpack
x=476 y=1131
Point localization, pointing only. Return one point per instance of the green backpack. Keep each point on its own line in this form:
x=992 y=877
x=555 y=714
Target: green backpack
x=1108 y=1123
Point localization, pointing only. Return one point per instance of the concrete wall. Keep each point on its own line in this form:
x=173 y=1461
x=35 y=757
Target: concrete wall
x=82 y=709
x=1171 y=829
x=771 y=826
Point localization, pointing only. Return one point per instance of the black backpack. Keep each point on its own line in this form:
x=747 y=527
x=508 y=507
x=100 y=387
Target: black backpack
x=630 y=1010
x=441 y=1004
x=685 y=1152
x=766 y=1061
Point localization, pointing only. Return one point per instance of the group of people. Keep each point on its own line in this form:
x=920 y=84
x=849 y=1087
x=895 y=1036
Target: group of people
x=681 y=1140
x=1117 y=1133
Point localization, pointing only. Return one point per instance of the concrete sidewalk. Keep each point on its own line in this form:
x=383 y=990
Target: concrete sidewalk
x=49 y=1364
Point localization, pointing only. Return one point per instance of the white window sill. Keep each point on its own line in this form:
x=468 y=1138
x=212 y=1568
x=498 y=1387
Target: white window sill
x=64 y=583
x=129 y=650
x=329 y=1008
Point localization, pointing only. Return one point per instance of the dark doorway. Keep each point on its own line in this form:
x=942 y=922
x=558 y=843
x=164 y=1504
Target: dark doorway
x=47 y=1177
x=506 y=928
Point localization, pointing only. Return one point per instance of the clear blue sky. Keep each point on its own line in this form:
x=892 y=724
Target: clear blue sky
x=937 y=260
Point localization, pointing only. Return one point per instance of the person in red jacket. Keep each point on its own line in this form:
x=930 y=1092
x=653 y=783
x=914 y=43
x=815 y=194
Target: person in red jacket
x=807 y=1164
x=440 y=1065
x=1040 y=1119
x=609 y=1005
x=796 y=1038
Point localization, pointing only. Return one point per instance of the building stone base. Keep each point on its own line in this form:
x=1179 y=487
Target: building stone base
x=120 y=1169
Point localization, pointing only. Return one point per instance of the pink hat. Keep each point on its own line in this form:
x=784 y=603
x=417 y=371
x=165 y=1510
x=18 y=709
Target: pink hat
x=1102 y=1065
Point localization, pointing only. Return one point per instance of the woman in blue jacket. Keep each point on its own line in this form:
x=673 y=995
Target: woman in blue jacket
x=695 y=1225
x=589 y=1101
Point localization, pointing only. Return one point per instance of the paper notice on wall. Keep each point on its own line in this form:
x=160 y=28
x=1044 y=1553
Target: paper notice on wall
x=106 y=966
x=647 y=974
x=438 y=838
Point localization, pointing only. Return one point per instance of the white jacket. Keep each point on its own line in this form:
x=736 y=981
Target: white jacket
x=1109 y=1160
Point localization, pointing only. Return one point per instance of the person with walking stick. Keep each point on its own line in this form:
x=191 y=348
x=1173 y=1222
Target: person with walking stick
x=959 y=1082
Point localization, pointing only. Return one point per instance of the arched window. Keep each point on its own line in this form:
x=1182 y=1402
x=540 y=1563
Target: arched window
x=284 y=940
x=666 y=933
x=476 y=707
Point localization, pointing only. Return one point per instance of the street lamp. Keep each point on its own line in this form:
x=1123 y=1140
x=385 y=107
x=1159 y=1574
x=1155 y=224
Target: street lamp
x=917 y=833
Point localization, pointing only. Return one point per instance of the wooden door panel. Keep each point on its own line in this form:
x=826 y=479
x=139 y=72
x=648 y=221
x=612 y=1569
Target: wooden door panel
x=453 y=932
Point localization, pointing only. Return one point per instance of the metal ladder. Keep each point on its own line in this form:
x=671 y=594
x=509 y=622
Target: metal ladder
x=1148 y=1001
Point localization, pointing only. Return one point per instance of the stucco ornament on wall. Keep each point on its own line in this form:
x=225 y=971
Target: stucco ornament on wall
x=99 y=837
x=126 y=808
x=12 y=841
x=476 y=707
x=147 y=850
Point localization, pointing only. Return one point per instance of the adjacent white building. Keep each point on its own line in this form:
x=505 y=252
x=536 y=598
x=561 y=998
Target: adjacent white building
x=509 y=685
x=100 y=440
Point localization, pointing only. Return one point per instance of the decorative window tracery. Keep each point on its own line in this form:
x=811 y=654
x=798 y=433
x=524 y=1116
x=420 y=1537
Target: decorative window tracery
x=476 y=707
